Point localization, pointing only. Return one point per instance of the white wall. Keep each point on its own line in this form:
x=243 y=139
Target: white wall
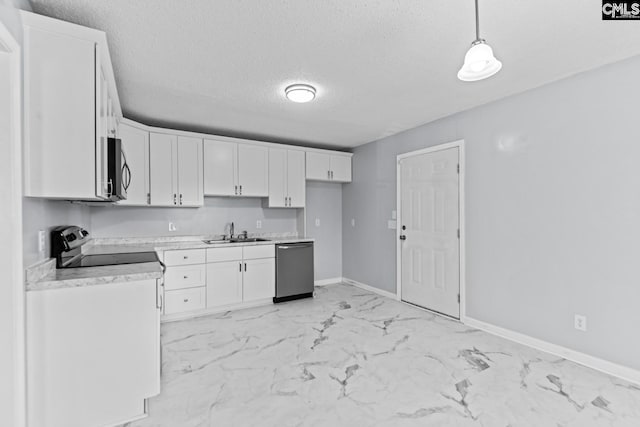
x=553 y=200
x=324 y=202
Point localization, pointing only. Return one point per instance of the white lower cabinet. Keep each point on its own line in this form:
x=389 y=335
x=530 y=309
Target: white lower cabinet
x=258 y=280
x=224 y=283
x=93 y=353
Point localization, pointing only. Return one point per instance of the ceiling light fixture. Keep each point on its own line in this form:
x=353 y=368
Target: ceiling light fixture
x=479 y=62
x=300 y=93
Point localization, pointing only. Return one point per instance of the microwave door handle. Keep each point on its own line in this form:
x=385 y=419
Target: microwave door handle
x=126 y=172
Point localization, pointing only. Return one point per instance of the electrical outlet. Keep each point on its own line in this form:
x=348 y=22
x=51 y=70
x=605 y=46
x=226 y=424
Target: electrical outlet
x=317 y=222
x=391 y=224
x=172 y=227
x=353 y=222
x=41 y=240
x=258 y=224
x=580 y=322
x=394 y=215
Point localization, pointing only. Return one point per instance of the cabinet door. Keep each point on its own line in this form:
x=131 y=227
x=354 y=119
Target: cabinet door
x=277 y=178
x=259 y=279
x=162 y=169
x=220 y=164
x=341 y=168
x=296 y=184
x=224 y=283
x=135 y=143
x=253 y=170
x=190 y=192
x=93 y=353
x=318 y=166
x=103 y=188
x=60 y=115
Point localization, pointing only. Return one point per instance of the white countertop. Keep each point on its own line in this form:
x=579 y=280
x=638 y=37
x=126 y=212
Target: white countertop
x=44 y=276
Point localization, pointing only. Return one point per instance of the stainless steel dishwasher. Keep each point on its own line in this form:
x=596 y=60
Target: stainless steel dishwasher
x=294 y=271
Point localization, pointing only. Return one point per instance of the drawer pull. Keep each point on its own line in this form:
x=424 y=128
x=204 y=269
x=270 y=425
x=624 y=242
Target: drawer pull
x=185 y=277
x=185 y=257
x=186 y=300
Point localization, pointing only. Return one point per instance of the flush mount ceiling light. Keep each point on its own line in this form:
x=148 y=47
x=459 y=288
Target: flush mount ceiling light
x=479 y=62
x=300 y=93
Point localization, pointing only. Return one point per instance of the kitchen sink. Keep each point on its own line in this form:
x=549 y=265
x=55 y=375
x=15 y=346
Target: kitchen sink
x=249 y=240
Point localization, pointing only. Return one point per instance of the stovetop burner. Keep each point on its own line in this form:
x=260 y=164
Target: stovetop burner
x=99 y=260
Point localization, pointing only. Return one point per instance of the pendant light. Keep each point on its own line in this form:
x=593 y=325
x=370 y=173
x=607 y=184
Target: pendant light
x=479 y=62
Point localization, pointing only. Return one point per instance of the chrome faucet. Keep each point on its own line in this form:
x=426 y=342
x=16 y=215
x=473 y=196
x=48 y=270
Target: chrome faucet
x=231 y=230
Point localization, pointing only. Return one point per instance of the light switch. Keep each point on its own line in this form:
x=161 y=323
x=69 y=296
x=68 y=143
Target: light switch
x=392 y=224
x=41 y=240
x=394 y=215
x=317 y=222
x=172 y=227
x=353 y=222
x=258 y=224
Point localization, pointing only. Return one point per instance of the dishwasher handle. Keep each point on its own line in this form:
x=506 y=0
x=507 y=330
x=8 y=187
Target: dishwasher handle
x=295 y=246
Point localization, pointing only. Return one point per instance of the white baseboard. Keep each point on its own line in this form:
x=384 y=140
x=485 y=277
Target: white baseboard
x=370 y=288
x=592 y=362
x=214 y=310
x=325 y=282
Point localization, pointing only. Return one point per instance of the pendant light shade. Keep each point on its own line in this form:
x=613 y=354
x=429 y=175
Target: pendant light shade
x=479 y=62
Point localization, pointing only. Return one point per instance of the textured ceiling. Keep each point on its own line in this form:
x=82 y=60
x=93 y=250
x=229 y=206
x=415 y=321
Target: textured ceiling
x=380 y=67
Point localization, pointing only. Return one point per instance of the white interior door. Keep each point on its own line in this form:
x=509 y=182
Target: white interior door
x=190 y=181
x=430 y=218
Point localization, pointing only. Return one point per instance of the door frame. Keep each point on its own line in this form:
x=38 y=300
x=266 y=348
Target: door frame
x=461 y=206
x=12 y=250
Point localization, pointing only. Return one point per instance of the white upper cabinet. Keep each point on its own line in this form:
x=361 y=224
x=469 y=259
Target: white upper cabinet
x=253 y=170
x=190 y=181
x=135 y=143
x=220 y=161
x=70 y=105
x=286 y=178
x=232 y=169
x=175 y=170
x=162 y=168
x=328 y=167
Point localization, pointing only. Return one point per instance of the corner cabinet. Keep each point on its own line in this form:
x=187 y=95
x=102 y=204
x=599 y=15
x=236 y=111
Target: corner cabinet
x=235 y=169
x=93 y=353
x=328 y=167
x=71 y=106
x=287 y=186
x=175 y=170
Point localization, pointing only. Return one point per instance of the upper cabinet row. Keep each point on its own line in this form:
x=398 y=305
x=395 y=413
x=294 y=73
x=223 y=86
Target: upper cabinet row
x=171 y=170
x=71 y=108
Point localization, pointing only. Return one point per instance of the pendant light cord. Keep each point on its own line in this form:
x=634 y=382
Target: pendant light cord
x=477 y=23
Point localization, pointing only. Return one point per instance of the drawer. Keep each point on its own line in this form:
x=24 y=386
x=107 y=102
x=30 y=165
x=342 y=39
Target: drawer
x=184 y=257
x=185 y=276
x=224 y=254
x=184 y=300
x=259 y=251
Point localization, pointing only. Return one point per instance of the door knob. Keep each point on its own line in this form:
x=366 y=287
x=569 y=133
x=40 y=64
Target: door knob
x=403 y=237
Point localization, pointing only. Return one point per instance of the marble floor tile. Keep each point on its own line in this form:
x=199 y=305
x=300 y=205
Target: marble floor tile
x=352 y=358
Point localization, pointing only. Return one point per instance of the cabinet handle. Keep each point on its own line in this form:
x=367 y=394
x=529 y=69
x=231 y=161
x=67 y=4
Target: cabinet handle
x=241 y=190
x=331 y=174
x=185 y=277
x=185 y=257
x=328 y=174
x=148 y=198
x=240 y=267
x=245 y=266
x=180 y=199
x=289 y=201
x=236 y=190
x=186 y=300
x=175 y=196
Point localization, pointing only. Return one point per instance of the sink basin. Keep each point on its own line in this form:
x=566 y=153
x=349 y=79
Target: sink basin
x=218 y=241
